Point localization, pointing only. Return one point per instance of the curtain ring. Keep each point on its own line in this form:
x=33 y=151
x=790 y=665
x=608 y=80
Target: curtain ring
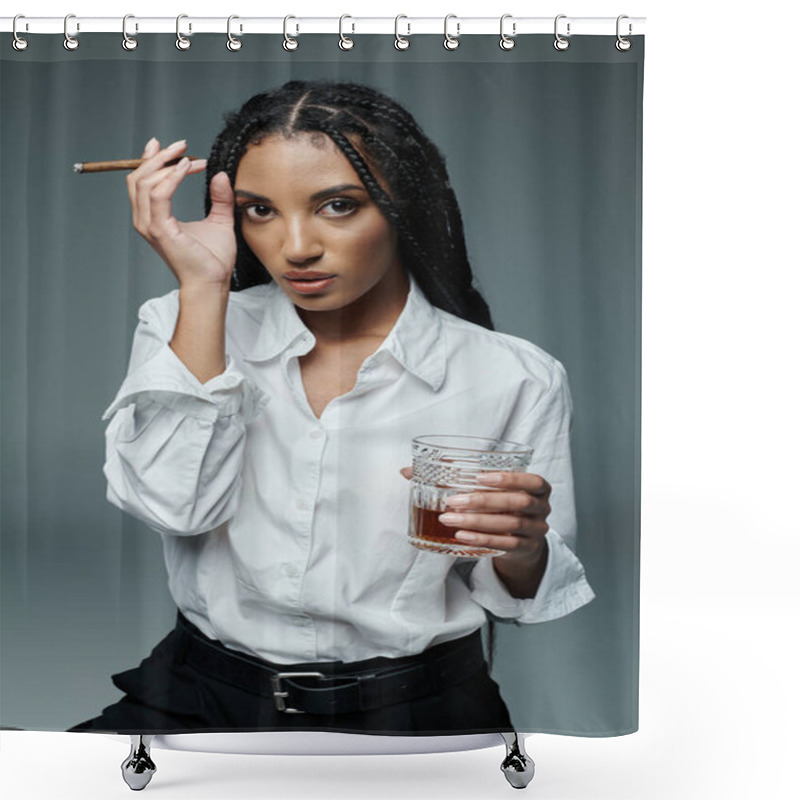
x=560 y=42
x=233 y=44
x=400 y=42
x=70 y=42
x=451 y=42
x=345 y=43
x=128 y=42
x=182 y=43
x=19 y=43
x=623 y=44
x=288 y=42
x=507 y=42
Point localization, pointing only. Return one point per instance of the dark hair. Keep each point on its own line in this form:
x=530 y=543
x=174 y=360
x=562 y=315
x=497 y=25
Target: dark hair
x=420 y=204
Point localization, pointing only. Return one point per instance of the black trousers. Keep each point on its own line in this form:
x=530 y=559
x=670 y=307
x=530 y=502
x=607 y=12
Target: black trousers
x=164 y=694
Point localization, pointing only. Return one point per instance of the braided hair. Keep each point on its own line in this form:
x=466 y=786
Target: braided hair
x=377 y=136
x=420 y=203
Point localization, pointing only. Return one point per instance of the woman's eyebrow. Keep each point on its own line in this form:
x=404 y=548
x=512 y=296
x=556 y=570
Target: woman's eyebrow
x=342 y=187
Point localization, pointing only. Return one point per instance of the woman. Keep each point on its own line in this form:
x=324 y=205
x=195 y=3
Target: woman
x=325 y=316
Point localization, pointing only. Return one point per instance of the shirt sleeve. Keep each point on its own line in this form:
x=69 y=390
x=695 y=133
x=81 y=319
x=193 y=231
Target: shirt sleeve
x=175 y=446
x=564 y=587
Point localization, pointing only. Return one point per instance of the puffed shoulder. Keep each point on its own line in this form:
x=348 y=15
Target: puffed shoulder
x=511 y=355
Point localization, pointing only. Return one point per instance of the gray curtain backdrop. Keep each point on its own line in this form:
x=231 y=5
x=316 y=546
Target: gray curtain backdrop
x=544 y=152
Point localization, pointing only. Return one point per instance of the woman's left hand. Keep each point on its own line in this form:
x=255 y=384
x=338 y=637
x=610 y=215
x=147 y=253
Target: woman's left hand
x=512 y=518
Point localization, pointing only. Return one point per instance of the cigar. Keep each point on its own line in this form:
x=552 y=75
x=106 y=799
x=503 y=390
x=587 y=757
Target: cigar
x=126 y=163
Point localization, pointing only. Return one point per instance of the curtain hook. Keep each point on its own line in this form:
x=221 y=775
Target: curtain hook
x=561 y=43
x=128 y=42
x=451 y=42
x=345 y=43
x=19 y=43
x=70 y=42
x=182 y=43
x=506 y=41
x=288 y=42
x=233 y=44
x=400 y=42
x=623 y=44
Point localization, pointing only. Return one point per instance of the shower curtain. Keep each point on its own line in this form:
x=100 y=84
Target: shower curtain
x=543 y=149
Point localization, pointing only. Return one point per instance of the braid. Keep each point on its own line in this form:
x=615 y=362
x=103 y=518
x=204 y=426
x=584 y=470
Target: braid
x=238 y=145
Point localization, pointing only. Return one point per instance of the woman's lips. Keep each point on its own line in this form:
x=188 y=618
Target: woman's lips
x=310 y=286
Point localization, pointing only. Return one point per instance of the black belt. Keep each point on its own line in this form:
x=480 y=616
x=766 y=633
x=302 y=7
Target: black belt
x=334 y=687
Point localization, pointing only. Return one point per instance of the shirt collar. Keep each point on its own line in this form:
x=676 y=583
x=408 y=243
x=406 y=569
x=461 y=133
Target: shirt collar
x=416 y=341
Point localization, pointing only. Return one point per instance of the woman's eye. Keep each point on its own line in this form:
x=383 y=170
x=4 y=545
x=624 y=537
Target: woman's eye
x=256 y=211
x=340 y=207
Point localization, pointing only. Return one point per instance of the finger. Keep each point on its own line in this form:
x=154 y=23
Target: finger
x=509 y=544
x=147 y=185
x=142 y=177
x=518 y=502
x=526 y=481
x=197 y=165
x=150 y=148
x=221 y=195
x=489 y=523
x=162 y=223
x=147 y=192
x=407 y=473
x=158 y=158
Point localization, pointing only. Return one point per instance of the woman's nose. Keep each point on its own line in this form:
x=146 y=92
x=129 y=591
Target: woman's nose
x=302 y=242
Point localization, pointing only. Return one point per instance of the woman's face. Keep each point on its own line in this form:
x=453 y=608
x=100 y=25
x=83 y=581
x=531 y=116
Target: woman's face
x=305 y=213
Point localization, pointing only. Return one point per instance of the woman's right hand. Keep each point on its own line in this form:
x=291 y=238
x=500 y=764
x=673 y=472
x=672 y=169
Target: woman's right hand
x=201 y=254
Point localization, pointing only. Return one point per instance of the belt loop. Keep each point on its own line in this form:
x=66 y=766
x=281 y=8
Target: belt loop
x=369 y=690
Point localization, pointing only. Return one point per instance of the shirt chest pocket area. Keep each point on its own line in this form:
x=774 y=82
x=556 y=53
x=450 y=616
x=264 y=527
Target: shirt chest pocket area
x=421 y=598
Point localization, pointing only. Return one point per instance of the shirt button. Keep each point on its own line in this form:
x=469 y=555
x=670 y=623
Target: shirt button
x=316 y=434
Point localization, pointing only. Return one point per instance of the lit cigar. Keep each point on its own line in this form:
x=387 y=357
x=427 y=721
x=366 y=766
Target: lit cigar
x=126 y=163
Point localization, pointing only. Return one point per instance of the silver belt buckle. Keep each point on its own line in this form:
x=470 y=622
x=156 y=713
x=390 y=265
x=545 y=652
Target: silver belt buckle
x=280 y=696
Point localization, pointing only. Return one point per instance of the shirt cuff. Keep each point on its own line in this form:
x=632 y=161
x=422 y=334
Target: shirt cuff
x=563 y=589
x=166 y=381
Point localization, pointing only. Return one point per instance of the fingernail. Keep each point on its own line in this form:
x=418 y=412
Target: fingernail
x=489 y=477
x=458 y=500
x=448 y=517
x=183 y=163
x=148 y=148
x=465 y=537
x=177 y=144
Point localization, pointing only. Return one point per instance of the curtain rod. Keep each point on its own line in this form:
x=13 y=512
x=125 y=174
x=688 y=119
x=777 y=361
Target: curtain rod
x=298 y=25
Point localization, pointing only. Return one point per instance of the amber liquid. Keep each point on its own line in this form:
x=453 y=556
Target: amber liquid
x=428 y=527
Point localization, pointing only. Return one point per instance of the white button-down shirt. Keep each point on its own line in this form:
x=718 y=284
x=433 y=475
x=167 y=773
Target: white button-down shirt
x=285 y=535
